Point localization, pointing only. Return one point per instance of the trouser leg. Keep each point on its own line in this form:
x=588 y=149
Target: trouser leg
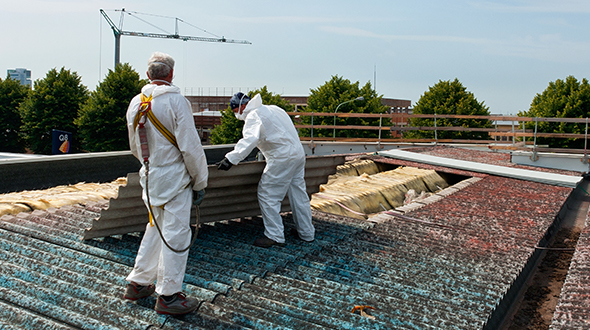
x=270 y=196
x=146 y=263
x=175 y=225
x=300 y=207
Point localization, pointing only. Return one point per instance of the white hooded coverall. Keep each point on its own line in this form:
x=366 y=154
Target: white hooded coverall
x=270 y=128
x=173 y=175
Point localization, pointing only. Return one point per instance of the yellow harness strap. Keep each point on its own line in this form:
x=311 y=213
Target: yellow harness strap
x=151 y=217
x=145 y=108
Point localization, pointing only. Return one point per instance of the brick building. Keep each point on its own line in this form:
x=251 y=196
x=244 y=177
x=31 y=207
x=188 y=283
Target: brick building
x=207 y=110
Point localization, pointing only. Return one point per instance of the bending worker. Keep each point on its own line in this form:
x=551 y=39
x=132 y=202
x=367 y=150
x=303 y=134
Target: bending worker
x=176 y=178
x=270 y=128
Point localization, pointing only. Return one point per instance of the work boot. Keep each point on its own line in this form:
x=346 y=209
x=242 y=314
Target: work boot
x=135 y=291
x=296 y=234
x=176 y=304
x=266 y=242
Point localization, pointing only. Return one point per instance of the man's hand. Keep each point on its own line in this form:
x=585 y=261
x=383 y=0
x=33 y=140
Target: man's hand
x=198 y=197
x=225 y=164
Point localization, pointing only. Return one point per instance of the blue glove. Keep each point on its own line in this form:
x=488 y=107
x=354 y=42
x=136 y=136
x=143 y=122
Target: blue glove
x=198 y=197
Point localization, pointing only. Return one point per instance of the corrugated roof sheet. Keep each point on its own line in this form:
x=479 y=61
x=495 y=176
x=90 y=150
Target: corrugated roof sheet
x=573 y=307
x=445 y=265
x=127 y=213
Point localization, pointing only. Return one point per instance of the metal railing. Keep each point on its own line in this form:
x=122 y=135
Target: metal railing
x=216 y=91
x=400 y=123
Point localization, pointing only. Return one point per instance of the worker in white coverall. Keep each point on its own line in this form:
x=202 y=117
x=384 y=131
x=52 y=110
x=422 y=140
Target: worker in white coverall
x=270 y=128
x=176 y=179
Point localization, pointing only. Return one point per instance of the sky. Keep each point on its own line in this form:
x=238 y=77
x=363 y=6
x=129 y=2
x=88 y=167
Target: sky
x=504 y=52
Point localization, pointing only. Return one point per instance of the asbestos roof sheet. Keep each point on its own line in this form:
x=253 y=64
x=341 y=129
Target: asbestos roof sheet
x=510 y=172
x=573 y=309
x=450 y=270
x=447 y=264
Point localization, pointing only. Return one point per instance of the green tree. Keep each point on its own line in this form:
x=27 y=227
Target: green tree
x=101 y=122
x=340 y=91
x=230 y=129
x=12 y=94
x=450 y=98
x=561 y=99
x=53 y=104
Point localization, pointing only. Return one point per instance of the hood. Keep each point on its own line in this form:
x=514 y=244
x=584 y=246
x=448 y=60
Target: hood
x=157 y=90
x=255 y=103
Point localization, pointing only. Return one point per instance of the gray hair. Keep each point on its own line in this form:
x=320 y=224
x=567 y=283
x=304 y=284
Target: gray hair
x=160 y=65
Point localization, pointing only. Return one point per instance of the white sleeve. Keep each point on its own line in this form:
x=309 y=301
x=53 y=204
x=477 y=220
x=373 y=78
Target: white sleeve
x=251 y=136
x=131 y=113
x=189 y=144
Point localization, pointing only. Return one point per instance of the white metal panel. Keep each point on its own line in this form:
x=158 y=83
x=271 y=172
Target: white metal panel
x=515 y=173
x=338 y=148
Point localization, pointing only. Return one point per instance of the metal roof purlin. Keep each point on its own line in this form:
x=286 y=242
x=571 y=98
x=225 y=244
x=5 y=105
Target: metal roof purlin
x=515 y=173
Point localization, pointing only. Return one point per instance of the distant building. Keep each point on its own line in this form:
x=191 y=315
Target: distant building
x=207 y=111
x=220 y=103
x=21 y=75
x=398 y=107
x=205 y=121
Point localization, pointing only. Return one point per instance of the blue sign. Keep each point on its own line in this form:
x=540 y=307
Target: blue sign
x=61 y=142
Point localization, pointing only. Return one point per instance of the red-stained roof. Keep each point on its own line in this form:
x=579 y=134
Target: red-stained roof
x=456 y=262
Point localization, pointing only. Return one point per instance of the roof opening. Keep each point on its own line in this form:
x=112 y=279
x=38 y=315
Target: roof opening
x=362 y=187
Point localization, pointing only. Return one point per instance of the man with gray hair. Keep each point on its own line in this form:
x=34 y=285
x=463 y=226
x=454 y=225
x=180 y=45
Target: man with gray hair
x=163 y=136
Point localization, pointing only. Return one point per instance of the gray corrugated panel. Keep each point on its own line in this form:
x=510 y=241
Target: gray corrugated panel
x=17 y=318
x=516 y=173
x=448 y=271
x=127 y=212
x=458 y=275
x=74 y=283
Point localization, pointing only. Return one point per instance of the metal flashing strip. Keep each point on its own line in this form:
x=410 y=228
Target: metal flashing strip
x=568 y=162
x=515 y=173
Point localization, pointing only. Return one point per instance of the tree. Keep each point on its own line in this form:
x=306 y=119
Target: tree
x=12 y=94
x=340 y=91
x=230 y=129
x=561 y=99
x=101 y=122
x=53 y=104
x=450 y=98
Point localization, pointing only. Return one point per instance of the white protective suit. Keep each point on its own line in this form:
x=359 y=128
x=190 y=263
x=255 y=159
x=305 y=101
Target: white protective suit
x=173 y=175
x=270 y=128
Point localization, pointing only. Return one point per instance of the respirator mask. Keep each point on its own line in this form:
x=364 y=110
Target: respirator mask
x=240 y=116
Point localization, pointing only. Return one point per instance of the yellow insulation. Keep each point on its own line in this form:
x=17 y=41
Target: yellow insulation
x=432 y=180
x=346 y=170
x=80 y=193
x=369 y=194
x=353 y=168
x=329 y=204
x=365 y=166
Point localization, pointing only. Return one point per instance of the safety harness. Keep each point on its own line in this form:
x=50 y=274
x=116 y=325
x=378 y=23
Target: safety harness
x=143 y=115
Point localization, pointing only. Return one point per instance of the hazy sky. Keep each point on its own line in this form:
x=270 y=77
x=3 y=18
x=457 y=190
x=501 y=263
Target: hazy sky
x=504 y=52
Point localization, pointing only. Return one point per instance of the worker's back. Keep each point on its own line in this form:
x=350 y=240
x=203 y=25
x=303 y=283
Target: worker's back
x=278 y=139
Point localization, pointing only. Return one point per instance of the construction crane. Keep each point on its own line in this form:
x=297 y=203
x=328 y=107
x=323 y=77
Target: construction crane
x=118 y=31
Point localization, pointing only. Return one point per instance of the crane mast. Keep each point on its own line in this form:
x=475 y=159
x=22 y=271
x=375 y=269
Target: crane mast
x=118 y=32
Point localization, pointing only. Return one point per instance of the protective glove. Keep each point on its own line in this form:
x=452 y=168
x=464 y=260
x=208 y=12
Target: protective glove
x=198 y=197
x=225 y=164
